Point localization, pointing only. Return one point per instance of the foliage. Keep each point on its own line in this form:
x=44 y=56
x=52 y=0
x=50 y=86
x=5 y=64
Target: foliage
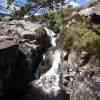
x=56 y=21
x=9 y=2
x=79 y=35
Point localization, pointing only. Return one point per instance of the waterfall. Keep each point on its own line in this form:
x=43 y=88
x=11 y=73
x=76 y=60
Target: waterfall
x=52 y=36
x=49 y=82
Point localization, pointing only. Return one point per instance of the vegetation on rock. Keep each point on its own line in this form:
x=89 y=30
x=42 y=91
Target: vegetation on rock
x=56 y=21
x=79 y=34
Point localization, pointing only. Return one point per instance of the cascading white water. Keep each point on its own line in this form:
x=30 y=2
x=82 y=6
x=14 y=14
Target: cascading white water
x=50 y=81
x=52 y=35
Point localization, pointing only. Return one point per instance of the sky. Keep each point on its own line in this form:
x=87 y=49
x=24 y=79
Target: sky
x=2 y=3
x=21 y=2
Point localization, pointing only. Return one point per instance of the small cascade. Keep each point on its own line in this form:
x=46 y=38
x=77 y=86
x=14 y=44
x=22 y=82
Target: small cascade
x=52 y=36
x=50 y=81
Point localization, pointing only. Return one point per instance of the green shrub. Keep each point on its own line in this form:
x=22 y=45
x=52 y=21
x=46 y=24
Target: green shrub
x=56 y=21
x=79 y=35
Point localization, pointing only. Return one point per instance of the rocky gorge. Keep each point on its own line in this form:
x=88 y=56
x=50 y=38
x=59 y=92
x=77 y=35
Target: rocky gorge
x=34 y=67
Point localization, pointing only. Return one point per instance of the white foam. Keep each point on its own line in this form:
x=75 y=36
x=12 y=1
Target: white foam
x=49 y=82
x=51 y=34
